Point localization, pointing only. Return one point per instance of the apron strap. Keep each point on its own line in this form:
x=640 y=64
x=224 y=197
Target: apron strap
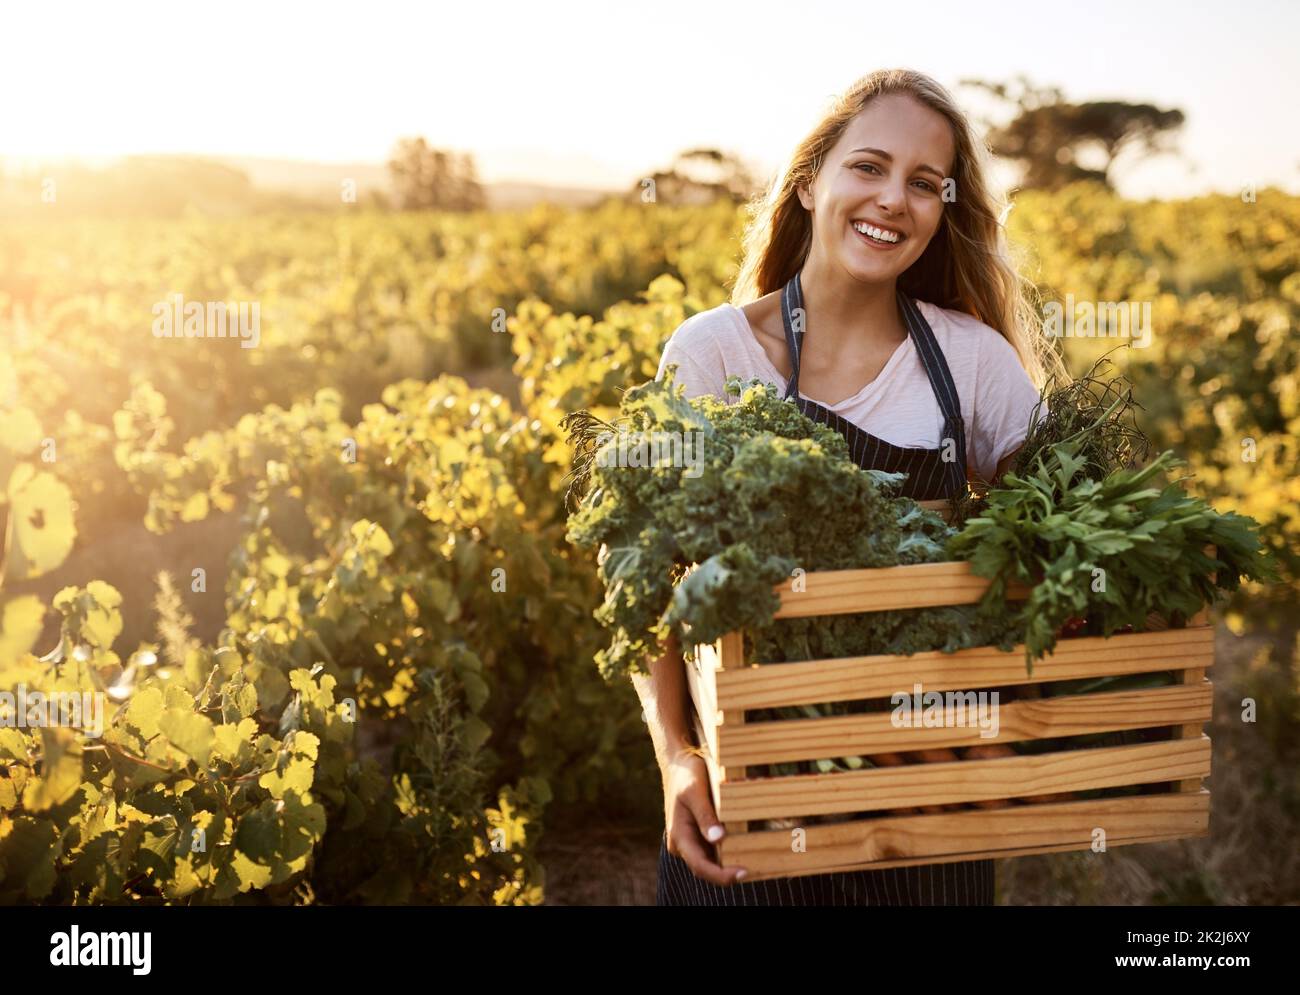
x=945 y=391
x=795 y=318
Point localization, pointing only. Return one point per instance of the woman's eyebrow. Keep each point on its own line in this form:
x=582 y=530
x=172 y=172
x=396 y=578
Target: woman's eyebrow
x=889 y=158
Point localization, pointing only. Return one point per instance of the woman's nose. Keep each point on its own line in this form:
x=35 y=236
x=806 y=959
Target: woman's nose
x=892 y=200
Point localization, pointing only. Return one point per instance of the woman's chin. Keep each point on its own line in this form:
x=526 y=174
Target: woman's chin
x=874 y=270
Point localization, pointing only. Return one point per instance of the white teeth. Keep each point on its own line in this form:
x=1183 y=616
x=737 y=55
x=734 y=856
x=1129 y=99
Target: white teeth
x=879 y=234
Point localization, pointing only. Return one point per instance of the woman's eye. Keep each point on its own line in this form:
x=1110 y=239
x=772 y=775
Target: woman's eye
x=875 y=170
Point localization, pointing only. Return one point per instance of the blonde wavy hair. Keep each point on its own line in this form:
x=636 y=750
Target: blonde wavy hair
x=966 y=267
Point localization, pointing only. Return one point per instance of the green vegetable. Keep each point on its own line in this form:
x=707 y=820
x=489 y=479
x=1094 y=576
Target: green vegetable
x=770 y=492
x=1112 y=551
x=1097 y=412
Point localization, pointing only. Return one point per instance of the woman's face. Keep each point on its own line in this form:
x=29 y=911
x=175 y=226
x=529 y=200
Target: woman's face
x=878 y=198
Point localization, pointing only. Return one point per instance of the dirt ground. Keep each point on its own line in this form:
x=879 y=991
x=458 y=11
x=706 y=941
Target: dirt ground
x=607 y=864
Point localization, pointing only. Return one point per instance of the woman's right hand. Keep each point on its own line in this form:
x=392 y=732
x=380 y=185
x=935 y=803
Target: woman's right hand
x=691 y=823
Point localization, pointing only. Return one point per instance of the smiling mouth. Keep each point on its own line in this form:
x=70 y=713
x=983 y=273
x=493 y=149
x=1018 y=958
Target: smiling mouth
x=877 y=235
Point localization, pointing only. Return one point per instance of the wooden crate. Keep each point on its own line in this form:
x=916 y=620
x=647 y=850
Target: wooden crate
x=1172 y=804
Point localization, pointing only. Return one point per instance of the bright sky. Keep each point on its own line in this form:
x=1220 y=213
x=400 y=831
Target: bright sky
x=599 y=93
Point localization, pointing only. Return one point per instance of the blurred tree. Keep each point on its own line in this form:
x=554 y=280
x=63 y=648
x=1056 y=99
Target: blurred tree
x=1053 y=139
x=429 y=178
x=696 y=176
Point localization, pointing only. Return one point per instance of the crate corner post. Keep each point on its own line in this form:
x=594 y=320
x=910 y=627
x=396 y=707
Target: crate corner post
x=1196 y=676
x=731 y=657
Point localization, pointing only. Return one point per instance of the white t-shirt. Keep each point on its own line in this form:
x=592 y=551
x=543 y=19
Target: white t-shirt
x=899 y=406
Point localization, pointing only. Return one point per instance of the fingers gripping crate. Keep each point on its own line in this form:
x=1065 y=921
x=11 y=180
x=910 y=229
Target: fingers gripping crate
x=1171 y=804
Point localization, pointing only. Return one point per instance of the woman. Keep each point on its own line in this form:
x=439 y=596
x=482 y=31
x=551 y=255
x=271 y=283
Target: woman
x=875 y=291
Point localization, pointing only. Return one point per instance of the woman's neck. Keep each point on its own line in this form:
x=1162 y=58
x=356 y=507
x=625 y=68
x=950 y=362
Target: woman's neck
x=846 y=318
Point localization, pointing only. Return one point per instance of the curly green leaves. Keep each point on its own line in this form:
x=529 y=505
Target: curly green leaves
x=770 y=485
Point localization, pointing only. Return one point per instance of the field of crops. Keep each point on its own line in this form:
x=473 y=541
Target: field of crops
x=348 y=653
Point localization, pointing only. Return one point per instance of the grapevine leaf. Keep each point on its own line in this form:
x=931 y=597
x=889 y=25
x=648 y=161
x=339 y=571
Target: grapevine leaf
x=60 y=776
x=21 y=626
x=189 y=732
x=144 y=711
x=41 y=530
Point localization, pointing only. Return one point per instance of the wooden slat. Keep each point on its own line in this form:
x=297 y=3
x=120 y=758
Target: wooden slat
x=903 y=841
x=963 y=780
x=940 y=506
x=730 y=656
x=1181 y=830
x=849 y=678
x=701 y=680
x=731 y=651
x=921 y=585
x=715 y=772
x=787 y=740
x=1194 y=676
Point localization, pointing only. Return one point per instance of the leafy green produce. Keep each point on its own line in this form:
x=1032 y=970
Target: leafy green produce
x=1096 y=411
x=770 y=492
x=1112 y=551
x=1099 y=412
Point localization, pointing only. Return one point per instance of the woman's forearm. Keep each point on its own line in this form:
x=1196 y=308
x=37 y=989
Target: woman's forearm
x=666 y=703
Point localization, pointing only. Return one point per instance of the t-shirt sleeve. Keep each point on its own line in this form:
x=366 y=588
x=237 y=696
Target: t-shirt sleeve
x=1004 y=402
x=687 y=347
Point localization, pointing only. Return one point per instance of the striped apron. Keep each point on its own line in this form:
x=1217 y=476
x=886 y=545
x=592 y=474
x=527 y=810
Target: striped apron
x=929 y=477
